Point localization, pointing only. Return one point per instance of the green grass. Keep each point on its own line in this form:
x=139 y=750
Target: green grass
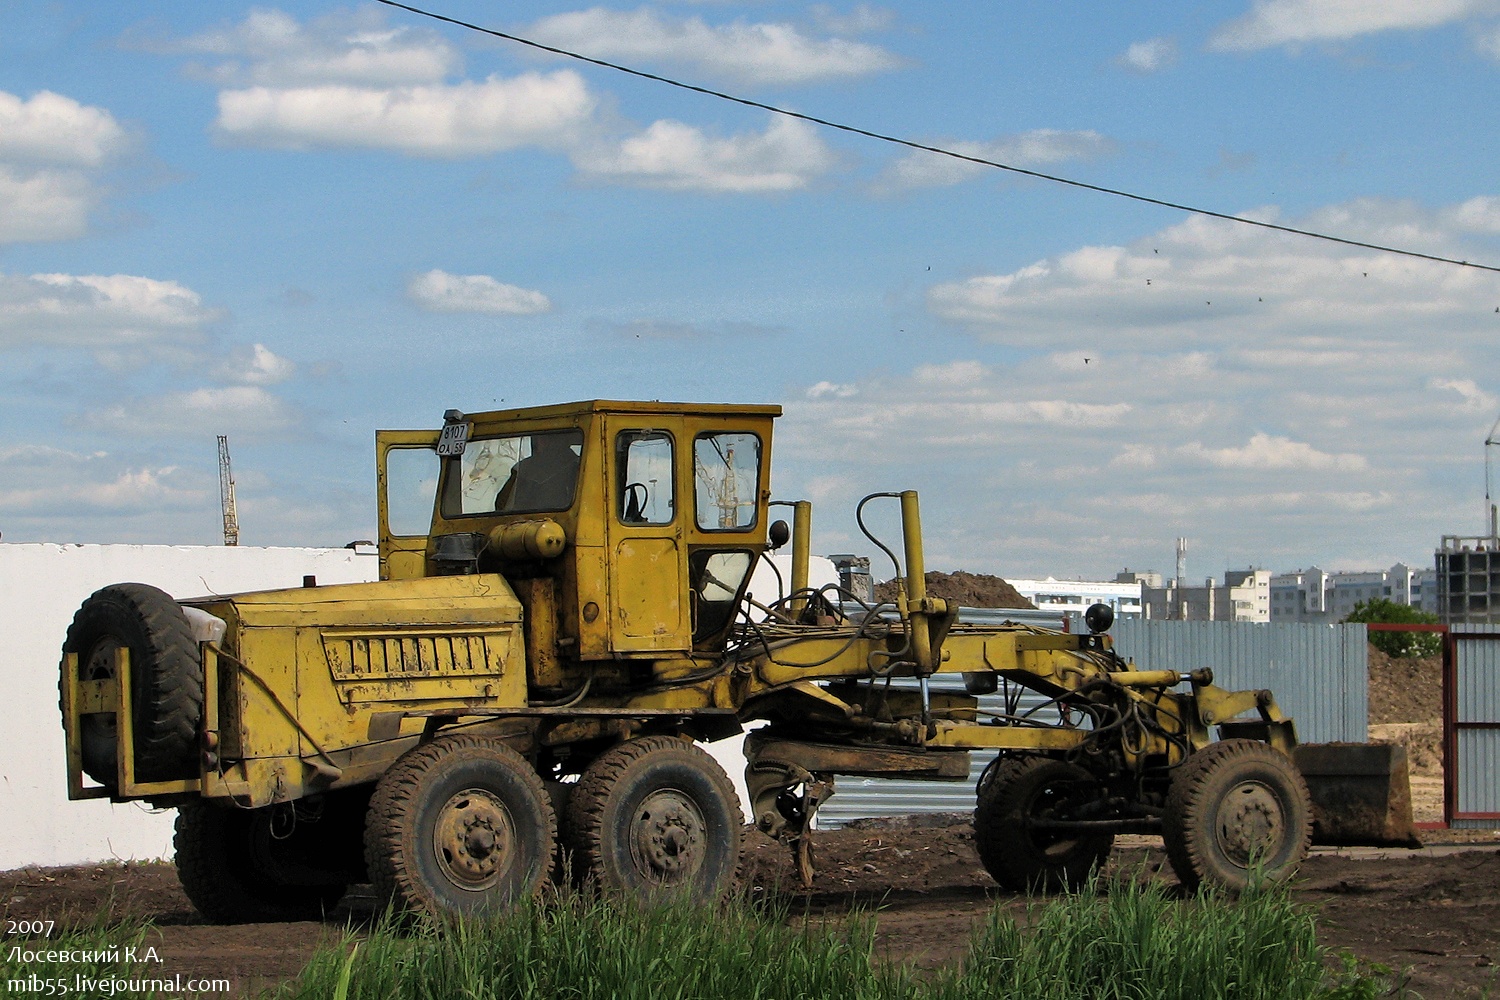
x=578 y=949
x=1120 y=939
x=1137 y=942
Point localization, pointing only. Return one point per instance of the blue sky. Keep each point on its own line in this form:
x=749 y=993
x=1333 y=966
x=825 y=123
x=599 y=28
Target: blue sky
x=295 y=224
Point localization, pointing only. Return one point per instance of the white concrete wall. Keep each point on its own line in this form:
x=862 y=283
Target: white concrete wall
x=41 y=585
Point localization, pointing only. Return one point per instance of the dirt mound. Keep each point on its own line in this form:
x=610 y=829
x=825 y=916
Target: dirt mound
x=970 y=590
x=1403 y=690
x=1423 y=742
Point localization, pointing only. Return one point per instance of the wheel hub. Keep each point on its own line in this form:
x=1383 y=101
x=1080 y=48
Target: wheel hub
x=474 y=839
x=668 y=836
x=1250 y=823
x=100 y=664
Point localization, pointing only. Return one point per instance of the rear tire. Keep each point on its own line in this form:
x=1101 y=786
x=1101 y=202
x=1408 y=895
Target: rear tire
x=236 y=869
x=166 y=681
x=1235 y=807
x=458 y=826
x=656 y=815
x=1013 y=791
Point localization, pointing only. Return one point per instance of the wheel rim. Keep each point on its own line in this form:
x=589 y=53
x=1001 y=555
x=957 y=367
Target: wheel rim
x=474 y=839
x=1051 y=844
x=1250 y=823
x=100 y=664
x=667 y=837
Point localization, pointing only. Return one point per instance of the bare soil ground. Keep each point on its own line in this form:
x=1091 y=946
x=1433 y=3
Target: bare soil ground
x=1434 y=912
x=1406 y=707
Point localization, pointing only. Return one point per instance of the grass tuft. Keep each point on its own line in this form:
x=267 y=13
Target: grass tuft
x=1120 y=939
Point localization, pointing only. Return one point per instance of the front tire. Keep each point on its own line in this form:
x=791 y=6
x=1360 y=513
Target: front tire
x=1015 y=791
x=461 y=825
x=1235 y=808
x=656 y=815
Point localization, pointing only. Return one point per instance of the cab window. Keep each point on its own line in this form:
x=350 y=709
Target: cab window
x=716 y=579
x=726 y=480
x=643 y=477
x=515 y=474
x=411 y=476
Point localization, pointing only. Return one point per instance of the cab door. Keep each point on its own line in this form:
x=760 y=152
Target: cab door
x=648 y=556
x=406 y=478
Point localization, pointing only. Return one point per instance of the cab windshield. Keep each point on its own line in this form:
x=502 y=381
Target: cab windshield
x=515 y=474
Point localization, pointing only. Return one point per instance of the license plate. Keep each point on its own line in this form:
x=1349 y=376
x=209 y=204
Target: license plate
x=454 y=437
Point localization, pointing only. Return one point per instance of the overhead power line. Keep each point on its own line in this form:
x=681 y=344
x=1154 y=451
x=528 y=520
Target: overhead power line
x=939 y=150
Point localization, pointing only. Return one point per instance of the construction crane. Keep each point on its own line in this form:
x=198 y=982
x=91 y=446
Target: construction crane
x=226 y=495
x=1490 y=514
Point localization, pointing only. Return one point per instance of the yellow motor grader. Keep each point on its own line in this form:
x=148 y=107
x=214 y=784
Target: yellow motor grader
x=562 y=616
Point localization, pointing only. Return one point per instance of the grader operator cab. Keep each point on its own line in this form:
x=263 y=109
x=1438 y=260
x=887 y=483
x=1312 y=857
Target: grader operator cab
x=562 y=616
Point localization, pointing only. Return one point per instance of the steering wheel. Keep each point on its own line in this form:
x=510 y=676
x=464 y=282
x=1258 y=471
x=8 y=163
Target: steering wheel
x=635 y=503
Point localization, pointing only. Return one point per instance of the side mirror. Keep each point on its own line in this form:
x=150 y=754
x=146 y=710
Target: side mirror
x=780 y=534
x=1099 y=617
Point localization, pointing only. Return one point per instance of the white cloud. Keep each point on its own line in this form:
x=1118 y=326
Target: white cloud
x=1210 y=282
x=955 y=374
x=38 y=206
x=55 y=130
x=747 y=53
x=45 y=482
x=1264 y=451
x=1475 y=399
x=834 y=390
x=1134 y=456
x=462 y=119
x=1477 y=215
x=1036 y=148
x=1488 y=42
x=51 y=151
x=243 y=409
x=257 y=365
x=1277 y=400
x=439 y=291
x=787 y=156
x=272 y=48
x=102 y=313
x=1150 y=56
x=351 y=83
x=960 y=404
x=1270 y=23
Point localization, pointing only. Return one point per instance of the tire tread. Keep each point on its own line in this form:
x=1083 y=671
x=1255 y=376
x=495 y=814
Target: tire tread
x=996 y=833
x=1186 y=802
x=396 y=797
x=585 y=826
x=168 y=680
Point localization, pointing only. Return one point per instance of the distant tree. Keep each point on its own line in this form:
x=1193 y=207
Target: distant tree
x=1402 y=644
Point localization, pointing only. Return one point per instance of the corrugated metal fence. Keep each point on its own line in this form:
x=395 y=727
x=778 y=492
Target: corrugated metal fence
x=1473 y=694
x=1319 y=674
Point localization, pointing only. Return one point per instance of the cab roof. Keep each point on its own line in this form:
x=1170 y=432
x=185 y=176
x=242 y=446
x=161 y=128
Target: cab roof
x=594 y=406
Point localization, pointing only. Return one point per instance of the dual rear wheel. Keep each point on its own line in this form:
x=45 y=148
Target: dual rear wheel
x=464 y=825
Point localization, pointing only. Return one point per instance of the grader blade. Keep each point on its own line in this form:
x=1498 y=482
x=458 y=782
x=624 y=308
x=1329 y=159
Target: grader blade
x=1361 y=794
